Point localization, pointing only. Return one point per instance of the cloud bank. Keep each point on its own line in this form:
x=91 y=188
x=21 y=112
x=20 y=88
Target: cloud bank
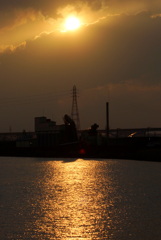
x=114 y=57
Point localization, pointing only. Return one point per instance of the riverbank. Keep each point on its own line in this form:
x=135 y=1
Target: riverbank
x=124 y=148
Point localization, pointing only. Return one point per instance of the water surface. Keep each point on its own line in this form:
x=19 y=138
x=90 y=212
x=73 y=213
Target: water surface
x=44 y=199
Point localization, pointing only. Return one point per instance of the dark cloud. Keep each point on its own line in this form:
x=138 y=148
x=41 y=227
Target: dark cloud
x=117 y=59
x=46 y=6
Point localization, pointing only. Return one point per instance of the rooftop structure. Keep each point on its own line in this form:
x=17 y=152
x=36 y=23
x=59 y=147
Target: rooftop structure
x=43 y=124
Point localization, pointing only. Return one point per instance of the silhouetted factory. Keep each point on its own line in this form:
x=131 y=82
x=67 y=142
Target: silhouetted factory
x=50 y=134
x=64 y=140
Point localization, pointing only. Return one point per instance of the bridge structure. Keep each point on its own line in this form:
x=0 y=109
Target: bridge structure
x=132 y=132
x=113 y=133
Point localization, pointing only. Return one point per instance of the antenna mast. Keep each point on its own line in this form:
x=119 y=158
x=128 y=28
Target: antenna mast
x=74 y=112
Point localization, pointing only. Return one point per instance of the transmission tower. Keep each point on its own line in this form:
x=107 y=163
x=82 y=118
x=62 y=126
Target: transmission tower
x=74 y=112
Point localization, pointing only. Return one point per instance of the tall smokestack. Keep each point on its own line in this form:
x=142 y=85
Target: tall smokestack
x=107 y=119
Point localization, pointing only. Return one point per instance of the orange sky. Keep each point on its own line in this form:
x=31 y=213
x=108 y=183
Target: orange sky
x=114 y=56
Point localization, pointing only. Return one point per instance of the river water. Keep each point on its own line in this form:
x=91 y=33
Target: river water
x=44 y=199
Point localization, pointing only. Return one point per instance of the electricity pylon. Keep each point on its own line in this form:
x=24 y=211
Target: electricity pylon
x=74 y=112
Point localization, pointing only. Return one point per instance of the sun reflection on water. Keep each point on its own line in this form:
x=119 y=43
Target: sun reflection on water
x=76 y=201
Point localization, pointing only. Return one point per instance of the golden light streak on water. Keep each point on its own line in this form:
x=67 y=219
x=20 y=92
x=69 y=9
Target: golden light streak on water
x=74 y=205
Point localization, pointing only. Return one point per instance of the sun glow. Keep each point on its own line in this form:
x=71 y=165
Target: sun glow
x=72 y=23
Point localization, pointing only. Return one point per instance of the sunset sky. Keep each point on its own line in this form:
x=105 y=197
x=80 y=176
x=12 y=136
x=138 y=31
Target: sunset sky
x=114 y=55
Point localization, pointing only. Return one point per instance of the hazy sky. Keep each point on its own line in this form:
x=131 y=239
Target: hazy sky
x=114 y=56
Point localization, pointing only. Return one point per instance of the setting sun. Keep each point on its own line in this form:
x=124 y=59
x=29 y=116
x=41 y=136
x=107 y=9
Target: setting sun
x=72 y=23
